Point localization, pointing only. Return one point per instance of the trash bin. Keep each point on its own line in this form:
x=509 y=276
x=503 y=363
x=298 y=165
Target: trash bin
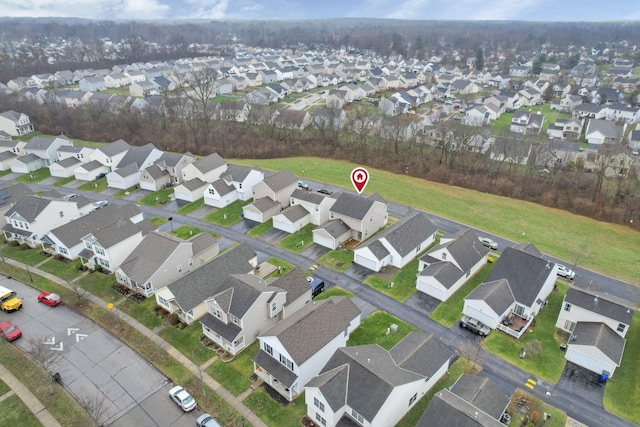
x=56 y=377
x=563 y=347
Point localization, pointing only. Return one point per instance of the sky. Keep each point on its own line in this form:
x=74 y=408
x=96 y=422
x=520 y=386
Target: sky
x=525 y=10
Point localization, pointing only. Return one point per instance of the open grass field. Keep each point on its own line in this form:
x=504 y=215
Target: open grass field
x=339 y=259
x=610 y=249
x=622 y=393
x=373 y=330
x=401 y=286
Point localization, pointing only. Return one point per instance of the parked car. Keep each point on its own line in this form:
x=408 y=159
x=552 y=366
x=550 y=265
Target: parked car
x=566 y=272
x=325 y=191
x=303 y=185
x=49 y=298
x=475 y=325
x=491 y=244
x=99 y=204
x=206 y=420
x=183 y=398
x=70 y=196
x=10 y=332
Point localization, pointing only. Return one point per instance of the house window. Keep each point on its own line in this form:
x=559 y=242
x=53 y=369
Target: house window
x=356 y=416
x=190 y=262
x=212 y=191
x=99 y=250
x=346 y=332
x=217 y=313
x=274 y=305
x=179 y=268
x=163 y=301
x=268 y=349
x=519 y=310
x=468 y=273
x=321 y=420
x=413 y=399
x=318 y=404
x=63 y=250
x=61 y=214
x=621 y=327
x=286 y=362
x=87 y=245
x=444 y=255
x=567 y=307
x=569 y=325
x=234 y=319
x=104 y=263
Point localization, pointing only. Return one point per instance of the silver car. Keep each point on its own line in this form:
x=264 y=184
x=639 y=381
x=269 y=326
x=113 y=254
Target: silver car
x=183 y=398
x=475 y=325
x=566 y=272
x=206 y=420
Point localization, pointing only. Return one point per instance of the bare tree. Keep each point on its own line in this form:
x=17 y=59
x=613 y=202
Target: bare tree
x=97 y=406
x=40 y=349
x=78 y=290
x=472 y=351
x=198 y=87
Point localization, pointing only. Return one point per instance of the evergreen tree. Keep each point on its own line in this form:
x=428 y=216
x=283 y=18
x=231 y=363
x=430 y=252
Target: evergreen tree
x=479 y=60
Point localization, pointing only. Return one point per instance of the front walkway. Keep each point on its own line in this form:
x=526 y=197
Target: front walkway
x=30 y=401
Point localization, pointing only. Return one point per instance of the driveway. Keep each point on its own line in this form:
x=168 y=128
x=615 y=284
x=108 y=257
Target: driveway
x=578 y=381
x=94 y=364
x=274 y=235
x=315 y=251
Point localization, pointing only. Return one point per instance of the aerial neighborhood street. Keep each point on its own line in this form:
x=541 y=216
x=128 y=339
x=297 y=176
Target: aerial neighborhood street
x=320 y=222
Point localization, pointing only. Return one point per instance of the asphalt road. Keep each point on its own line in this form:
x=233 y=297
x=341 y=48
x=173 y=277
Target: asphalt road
x=96 y=366
x=566 y=398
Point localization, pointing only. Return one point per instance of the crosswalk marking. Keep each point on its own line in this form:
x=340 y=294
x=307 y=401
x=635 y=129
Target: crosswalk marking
x=313 y=267
x=531 y=383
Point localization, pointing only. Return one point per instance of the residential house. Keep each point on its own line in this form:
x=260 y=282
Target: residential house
x=397 y=245
x=316 y=204
x=26 y=164
x=186 y=296
x=526 y=123
x=90 y=171
x=477 y=116
x=292 y=119
x=619 y=112
x=352 y=217
x=207 y=169
x=597 y=347
x=569 y=103
x=472 y=401
x=569 y=128
x=604 y=132
x=81 y=153
x=14 y=146
x=166 y=171
x=10 y=194
x=592 y=111
x=232 y=111
x=127 y=172
x=511 y=150
x=514 y=292
x=15 y=124
x=143 y=88
x=66 y=240
x=6 y=157
x=270 y=195
x=236 y=183
x=335 y=100
x=368 y=385
x=244 y=306
x=31 y=217
x=115 y=80
x=46 y=148
x=64 y=168
x=288 y=358
x=557 y=152
x=634 y=140
x=92 y=84
x=107 y=247
x=190 y=191
x=328 y=119
x=160 y=259
x=109 y=155
x=261 y=96
x=445 y=268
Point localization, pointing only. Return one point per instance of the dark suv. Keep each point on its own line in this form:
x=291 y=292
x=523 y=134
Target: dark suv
x=475 y=325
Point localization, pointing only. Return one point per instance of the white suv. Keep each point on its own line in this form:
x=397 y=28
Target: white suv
x=566 y=272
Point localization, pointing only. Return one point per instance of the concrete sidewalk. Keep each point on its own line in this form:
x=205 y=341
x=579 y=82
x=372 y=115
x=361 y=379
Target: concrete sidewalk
x=195 y=370
x=32 y=402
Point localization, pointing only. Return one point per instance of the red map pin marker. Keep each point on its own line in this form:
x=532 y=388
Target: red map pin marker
x=359 y=178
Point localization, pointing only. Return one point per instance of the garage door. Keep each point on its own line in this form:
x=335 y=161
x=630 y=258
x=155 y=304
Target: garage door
x=428 y=289
x=485 y=318
x=281 y=225
x=586 y=361
x=371 y=264
x=327 y=242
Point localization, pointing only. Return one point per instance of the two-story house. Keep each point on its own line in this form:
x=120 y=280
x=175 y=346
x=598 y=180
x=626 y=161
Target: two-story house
x=126 y=173
x=109 y=155
x=186 y=296
x=270 y=196
x=448 y=266
x=15 y=123
x=352 y=217
x=161 y=258
x=245 y=306
x=288 y=358
x=526 y=123
x=166 y=171
x=236 y=183
x=46 y=148
x=397 y=245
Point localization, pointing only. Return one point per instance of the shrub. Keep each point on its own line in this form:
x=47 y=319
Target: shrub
x=173 y=319
x=14 y=243
x=98 y=268
x=24 y=247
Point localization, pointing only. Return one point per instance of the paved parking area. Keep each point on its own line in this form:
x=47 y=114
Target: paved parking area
x=94 y=364
x=581 y=382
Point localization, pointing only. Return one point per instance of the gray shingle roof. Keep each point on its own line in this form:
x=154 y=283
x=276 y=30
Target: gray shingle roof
x=236 y=173
x=69 y=161
x=352 y=206
x=497 y=294
x=447 y=409
x=526 y=274
x=208 y=163
x=275 y=368
x=308 y=196
x=529 y=248
x=193 y=184
x=335 y=228
x=120 y=230
x=114 y=148
x=421 y=353
x=280 y=180
x=29 y=207
x=600 y=336
x=465 y=249
x=405 y=235
x=295 y=213
x=228 y=331
x=136 y=155
x=42 y=142
x=206 y=281
x=128 y=170
x=600 y=304
x=315 y=325
x=482 y=393
x=202 y=242
x=264 y=204
x=156 y=171
x=149 y=255
x=221 y=187
x=445 y=272
x=294 y=283
x=92 y=165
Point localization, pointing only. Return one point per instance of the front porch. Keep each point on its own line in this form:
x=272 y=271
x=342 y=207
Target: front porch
x=276 y=375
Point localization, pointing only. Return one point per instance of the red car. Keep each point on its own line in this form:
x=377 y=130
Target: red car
x=49 y=298
x=9 y=332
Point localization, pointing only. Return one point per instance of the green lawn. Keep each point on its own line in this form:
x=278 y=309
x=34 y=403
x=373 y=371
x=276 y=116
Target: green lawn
x=142 y=312
x=190 y=207
x=4 y=173
x=373 y=330
x=611 y=248
x=4 y=388
x=65 y=270
x=550 y=362
x=286 y=267
x=101 y=285
x=34 y=177
x=299 y=241
x=339 y=259
x=448 y=312
x=186 y=340
x=228 y=215
x=261 y=229
x=122 y=193
x=64 y=181
x=95 y=186
x=158 y=220
x=186 y=232
x=272 y=413
x=157 y=198
x=334 y=291
x=235 y=375
x=27 y=256
x=623 y=390
x=401 y=286
x=16 y=413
